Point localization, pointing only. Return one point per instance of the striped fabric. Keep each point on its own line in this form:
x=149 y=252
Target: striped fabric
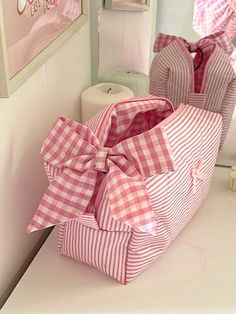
x=208 y=81
x=123 y=252
x=233 y=59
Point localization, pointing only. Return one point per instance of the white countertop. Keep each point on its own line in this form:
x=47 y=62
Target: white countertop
x=197 y=274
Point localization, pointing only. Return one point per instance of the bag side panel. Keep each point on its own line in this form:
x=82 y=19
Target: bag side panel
x=193 y=134
x=104 y=250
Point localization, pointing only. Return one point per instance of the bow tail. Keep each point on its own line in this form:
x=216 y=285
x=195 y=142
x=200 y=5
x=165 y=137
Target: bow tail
x=66 y=198
x=129 y=201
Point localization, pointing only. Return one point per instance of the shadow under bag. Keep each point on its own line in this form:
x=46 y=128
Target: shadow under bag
x=125 y=184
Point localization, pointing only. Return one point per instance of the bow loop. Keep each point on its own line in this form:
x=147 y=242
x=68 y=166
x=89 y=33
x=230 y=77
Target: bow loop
x=219 y=38
x=67 y=140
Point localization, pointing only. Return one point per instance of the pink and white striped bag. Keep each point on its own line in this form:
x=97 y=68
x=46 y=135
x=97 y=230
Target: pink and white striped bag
x=124 y=185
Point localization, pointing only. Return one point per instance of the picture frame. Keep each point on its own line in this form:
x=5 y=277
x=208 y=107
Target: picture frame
x=10 y=80
x=130 y=5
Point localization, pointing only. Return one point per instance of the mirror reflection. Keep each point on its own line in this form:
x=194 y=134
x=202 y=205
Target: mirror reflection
x=129 y=46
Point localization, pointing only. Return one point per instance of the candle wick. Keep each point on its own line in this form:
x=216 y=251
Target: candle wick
x=108 y=91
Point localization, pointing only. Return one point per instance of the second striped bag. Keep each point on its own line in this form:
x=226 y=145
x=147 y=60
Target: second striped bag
x=124 y=185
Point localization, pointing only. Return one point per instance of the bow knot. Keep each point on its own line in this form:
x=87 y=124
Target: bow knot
x=101 y=159
x=193 y=47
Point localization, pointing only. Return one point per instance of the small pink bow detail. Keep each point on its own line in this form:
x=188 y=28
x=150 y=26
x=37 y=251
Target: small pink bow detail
x=198 y=175
x=219 y=38
x=76 y=150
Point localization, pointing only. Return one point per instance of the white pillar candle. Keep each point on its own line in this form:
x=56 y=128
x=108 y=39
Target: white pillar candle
x=138 y=82
x=97 y=97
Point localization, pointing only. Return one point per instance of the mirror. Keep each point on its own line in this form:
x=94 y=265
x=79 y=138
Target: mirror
x=129 y=42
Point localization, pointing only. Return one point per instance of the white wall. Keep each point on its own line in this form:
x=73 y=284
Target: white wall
x=25 y=119
x=126 y=39
x=175 y=17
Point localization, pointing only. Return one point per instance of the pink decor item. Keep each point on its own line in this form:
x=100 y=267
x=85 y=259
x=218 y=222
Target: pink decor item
x=124 y=185
x=31 y=25
x=212 y=16
x=206 y=80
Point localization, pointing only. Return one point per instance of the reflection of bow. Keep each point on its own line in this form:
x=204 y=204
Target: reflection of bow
x=74 y=149
x=197 y=174
x=219 y=38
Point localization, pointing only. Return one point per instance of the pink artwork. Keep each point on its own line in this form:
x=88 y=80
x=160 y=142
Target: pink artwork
x=31 y=25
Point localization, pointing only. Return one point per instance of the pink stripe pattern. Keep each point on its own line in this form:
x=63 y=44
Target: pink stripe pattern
x=117 y=249
x=206 y=81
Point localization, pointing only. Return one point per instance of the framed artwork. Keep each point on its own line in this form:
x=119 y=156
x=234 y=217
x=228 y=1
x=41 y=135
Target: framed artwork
x=30 y=32
x=130 y=5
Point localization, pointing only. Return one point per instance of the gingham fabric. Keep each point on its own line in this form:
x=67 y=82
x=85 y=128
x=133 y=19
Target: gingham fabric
x=141 y=150
x=206 y=81
x=219 y=38
x=123 y=252
x=211 y=16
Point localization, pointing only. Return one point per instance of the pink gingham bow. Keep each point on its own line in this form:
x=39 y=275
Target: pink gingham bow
x=219 y=38
x=74 y=149
x=198 y=175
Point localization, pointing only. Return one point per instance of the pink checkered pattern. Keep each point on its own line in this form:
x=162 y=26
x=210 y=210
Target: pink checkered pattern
x=211 y=16
x=82 y=161
x=219 y=38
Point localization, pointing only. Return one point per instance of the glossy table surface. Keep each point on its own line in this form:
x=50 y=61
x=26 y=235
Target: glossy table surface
x=197 y=274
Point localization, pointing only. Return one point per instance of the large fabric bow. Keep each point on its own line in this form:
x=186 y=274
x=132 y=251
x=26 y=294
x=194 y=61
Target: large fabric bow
x=76 y=151
x=219 y=38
